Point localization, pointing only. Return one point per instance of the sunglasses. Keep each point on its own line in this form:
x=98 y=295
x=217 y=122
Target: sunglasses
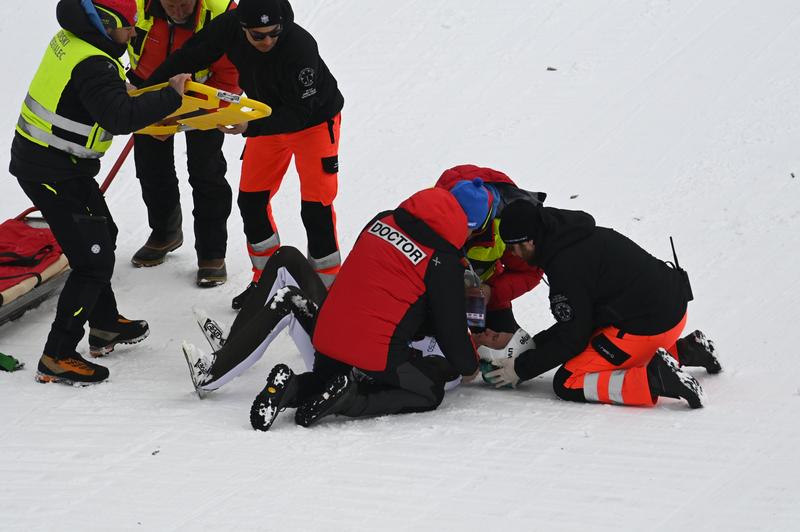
x=261 y=35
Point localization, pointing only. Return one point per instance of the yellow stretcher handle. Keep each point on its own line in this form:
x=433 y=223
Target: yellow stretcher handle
x=205 y=107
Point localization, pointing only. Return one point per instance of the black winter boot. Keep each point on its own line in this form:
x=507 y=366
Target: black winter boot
x=278 y=394
x=667 y=380
x=696 y=350
x=339 y=394
x=161 y=241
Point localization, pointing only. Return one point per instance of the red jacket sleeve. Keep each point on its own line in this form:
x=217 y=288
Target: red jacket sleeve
x=224 y=75
x=517 y=277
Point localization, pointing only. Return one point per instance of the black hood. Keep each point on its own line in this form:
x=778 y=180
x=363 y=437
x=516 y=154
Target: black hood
x=73 y=18
x=558 y=229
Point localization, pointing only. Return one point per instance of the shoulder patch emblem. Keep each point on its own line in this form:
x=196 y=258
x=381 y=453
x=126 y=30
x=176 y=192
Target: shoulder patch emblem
x=306 y=77
x=561 y=309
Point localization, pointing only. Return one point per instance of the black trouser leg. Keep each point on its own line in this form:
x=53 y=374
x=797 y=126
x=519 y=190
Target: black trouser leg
x=261 y=326
x=320 y=228
x=413 y=386
x=298 y=267
x=81 y=223
x=155 y=168
x=211 y=192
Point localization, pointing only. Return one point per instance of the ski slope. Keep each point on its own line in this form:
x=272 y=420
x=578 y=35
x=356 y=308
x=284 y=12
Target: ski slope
x=659 y=117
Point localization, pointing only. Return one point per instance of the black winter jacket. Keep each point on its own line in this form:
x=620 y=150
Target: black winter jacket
x=291 y=78
x=95 y=93
x=597 y=278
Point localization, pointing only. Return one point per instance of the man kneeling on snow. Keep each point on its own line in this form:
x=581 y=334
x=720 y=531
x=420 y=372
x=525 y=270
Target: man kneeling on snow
x=619 y=314
x=402 y=280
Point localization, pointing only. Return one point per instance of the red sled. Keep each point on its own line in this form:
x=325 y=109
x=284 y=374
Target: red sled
x=32 y=266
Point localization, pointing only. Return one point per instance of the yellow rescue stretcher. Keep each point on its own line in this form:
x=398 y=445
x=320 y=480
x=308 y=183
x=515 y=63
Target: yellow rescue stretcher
x=205 y=107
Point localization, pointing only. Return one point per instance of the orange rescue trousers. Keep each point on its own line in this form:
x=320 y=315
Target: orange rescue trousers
x=613 y=367
x=265 y=162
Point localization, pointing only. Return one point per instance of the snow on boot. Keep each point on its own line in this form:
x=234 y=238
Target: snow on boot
x=199 y=367
x=239 y=301
x=124 y=331
x=73 y=370
x=337 y=397
x=211 y=272
x=667 y=380
x=215 y=332
x=278 y=394
x=698 y=351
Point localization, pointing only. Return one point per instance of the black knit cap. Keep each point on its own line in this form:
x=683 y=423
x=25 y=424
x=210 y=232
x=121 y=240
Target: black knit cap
x=518 y=222
x=260 y=13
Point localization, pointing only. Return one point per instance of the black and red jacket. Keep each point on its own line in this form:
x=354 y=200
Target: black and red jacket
x=404 y=273
x=512 y=276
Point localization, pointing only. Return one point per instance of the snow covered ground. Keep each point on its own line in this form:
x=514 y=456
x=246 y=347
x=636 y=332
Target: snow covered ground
x=659 y=117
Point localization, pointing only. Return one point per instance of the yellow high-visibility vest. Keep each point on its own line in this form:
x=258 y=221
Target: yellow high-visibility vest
x=39 y=116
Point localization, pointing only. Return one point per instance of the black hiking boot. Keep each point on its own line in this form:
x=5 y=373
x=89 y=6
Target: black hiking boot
x=337 y=398
x=124 y=331
x=696 y=350
x=278 y=394
x=239 y=301
x=667 y=380
x=73 y=370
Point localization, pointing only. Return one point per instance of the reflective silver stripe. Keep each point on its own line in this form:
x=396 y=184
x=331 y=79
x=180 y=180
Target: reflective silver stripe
x=259 y=262
x=327 y=278
x=590 y=387
x=615 y=386
x=57 y=120
x=334 y=259
x=57 y=142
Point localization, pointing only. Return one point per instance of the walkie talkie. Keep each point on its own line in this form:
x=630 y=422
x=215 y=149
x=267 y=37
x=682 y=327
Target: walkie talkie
x=689 y=294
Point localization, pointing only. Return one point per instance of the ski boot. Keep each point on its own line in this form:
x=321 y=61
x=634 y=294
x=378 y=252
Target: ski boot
x=215 y=332
x=667 y=380
x=73 y=370
x=695 y=350
x=279 y=393
x=199 y=367
x=124 y=331
x=337 y=397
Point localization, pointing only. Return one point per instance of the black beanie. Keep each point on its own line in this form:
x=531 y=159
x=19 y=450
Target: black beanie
x=518 y=222
x=260 y=13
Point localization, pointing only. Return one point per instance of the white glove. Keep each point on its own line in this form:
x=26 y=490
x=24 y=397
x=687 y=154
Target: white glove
x=504 y=375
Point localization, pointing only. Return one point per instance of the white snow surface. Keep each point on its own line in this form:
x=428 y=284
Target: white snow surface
x=659 y=117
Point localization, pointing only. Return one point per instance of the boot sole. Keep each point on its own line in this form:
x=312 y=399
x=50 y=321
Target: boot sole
x=261 y=419
x=140 y=263
x=312 y=411
x=44 y=378
x=98 y=352
x=211 y=282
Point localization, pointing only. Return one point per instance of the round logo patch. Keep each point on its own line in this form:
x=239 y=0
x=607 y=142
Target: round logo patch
x=96 y=249
x=561 y=309
x=306 y=76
